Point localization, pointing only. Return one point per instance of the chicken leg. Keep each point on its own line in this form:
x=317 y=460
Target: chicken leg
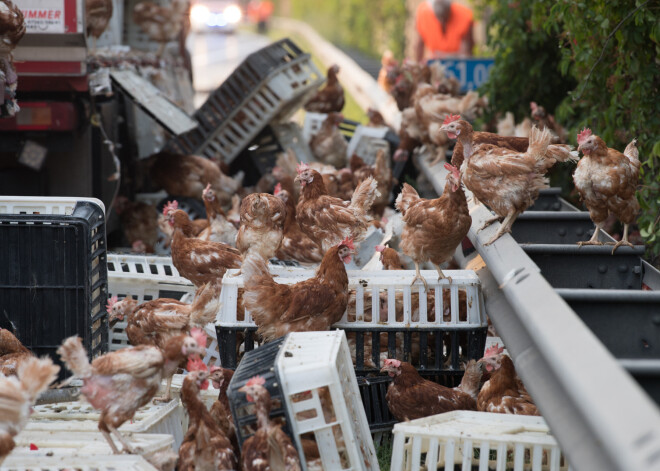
x=166 y=397
x=418 y=276
x=623 y=241
x=504 y=227
x=127 y=446
x=441 y=275
x=110 y=441
x=488 y=222
x=594 y=238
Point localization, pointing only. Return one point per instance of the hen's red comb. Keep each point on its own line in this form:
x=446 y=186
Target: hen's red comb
x=451 y=118
x=215 y=368
x=170 y=206
x=278 y=189
x=584 y=135
x=348 y=242
x=256 y=380
x=380 y=248
x=494 y=350
x=199 y=335
x=393 y=362
x=196 y=364
x=302 y=166
x=533 y=105
x=111 y=302
x=208 y=187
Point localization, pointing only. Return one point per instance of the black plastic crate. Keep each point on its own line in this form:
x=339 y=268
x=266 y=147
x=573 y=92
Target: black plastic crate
x=54 y=281
x=257 y=362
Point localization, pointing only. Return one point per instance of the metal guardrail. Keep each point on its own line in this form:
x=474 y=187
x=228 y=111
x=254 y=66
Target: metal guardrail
x=601 y=417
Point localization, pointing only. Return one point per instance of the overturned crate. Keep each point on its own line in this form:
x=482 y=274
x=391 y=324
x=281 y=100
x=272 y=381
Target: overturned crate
x=311 y=376
x=54 y=283
x=386 y=318
x=269 y=86
x=476 y=440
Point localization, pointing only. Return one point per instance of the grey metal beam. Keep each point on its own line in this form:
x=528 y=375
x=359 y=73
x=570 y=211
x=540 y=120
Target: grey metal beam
x=600 y=416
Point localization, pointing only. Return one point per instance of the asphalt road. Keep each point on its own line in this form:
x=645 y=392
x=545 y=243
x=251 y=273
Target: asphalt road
x=216 y=55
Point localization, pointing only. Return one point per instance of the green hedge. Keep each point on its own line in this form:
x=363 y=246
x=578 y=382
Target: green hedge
x=549 y=50
x=370 y=26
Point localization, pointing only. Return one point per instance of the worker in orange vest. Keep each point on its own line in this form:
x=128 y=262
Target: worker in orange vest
x=260 y=12
x=444 y=29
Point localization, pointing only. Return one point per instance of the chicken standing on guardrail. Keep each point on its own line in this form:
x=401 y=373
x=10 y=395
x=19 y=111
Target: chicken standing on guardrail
x=18 y=395
x=433 y=228
x=607 y=180
x=505 y=180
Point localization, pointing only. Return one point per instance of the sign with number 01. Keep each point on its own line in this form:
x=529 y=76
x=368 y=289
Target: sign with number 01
x=471 y=73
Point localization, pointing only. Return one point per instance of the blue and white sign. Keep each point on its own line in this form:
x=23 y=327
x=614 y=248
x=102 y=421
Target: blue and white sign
x=471 y=73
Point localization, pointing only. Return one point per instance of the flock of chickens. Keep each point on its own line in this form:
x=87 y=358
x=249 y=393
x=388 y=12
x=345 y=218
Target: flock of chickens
x=316 y=213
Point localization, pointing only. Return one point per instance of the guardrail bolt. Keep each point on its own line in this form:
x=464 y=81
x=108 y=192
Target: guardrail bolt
x=623 y=268
x=656 y=319
x=579 y=231
x=561 y=231
x=602 y=268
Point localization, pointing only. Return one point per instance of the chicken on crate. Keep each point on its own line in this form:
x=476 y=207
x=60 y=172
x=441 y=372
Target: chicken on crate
x=316 y=398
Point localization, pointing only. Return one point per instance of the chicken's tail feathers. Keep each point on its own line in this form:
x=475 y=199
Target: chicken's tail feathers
x=206 y=304
x=406 y=198
x=73 y=354
x=539 y=140
x=563 y=153
x=36 y=374
x=364 y=195
x=631 y=151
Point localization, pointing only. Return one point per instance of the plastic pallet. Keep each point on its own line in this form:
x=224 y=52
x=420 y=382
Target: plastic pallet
x=469 y=439
x=78 y=416
x=82 y=443
x=79 y=463
x=55 y=281
x=268 y=86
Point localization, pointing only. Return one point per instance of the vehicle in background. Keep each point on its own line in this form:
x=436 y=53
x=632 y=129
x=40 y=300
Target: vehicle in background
x=215 y=15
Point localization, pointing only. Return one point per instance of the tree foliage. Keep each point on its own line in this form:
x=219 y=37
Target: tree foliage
x=550 y=51
x=366 y=25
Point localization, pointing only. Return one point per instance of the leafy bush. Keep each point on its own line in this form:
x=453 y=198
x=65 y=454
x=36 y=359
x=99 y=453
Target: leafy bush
x=550 y=51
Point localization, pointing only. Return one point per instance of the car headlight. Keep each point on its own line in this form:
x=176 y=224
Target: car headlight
x=233 y=14
x=199 y=14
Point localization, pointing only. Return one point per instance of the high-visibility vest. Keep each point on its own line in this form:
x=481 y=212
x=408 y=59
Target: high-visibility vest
x=430 y=28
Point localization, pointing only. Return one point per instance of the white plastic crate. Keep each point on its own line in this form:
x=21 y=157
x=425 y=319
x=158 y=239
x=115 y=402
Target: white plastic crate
x=209 y=396
x=77 y=463
x=367 y=141
x=370 y=284
x=321 y=393
x=499 y=442
x=67 y=443
x=312 y=124
x=79 y=416
x=42 y=204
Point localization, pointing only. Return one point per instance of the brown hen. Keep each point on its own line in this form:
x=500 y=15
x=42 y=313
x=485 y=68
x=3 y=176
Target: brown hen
x=331 y=97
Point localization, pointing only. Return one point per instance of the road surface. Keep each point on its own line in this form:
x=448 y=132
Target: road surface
x=216 y=55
